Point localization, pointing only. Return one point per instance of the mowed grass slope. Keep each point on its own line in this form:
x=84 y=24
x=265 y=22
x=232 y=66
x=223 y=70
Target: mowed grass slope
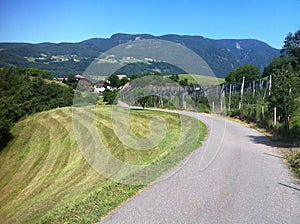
x=45 y=179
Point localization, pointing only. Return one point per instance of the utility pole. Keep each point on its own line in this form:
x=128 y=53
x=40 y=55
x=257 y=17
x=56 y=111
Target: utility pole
x=229 y=101
x=242 y=92
x=253 y=89
x=286 y=115
x=275 y=117
x=270 y=85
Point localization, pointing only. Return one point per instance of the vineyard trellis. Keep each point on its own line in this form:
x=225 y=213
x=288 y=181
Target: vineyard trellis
x=222 y=98
x=249 y=100
x=235 y=94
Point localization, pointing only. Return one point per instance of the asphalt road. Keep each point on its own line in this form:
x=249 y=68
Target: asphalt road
x=235 y=177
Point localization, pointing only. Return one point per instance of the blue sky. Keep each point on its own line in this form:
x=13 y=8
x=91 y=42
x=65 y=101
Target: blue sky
x=73 y=21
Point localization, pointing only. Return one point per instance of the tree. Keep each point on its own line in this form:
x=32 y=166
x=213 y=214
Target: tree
x=114 y=80
x=291 y=49
x=291 y=45
x=290 y=55
x=34 y=72
x=143 y=101
x=183 y=82
x=110 y=96
x=72 y=81
x=5 y=126
x=141 y=96
x=250 y=72
x=286 y=78
x=124 y=81
x=284 y=91
x=276 y=64
x=23 y=92
x=174 y=77
x=134 y=76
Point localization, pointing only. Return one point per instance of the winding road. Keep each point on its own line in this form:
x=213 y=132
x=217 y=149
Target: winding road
x=236 y=176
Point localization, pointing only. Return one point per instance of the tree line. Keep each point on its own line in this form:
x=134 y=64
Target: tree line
x=27 y=91
x=282 y=102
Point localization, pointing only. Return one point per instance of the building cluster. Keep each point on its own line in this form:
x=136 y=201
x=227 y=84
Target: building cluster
x=97 y=87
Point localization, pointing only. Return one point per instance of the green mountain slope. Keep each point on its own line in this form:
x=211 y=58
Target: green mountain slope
x=65 y=58
x=45 y=179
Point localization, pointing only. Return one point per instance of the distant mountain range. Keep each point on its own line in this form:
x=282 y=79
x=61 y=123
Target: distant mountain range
x=63 y=59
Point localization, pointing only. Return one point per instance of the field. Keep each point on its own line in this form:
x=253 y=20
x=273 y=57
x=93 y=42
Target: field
x=201 y=79
x=44 y=178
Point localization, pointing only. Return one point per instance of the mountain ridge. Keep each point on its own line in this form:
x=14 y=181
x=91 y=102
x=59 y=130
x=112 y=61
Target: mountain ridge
x=61 y=59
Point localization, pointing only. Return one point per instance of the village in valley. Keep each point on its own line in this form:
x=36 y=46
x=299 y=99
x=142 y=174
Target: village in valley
x=97 y=87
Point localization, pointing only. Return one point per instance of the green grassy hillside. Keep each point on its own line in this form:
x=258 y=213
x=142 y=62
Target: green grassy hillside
x=201 y=79
x=45 y=179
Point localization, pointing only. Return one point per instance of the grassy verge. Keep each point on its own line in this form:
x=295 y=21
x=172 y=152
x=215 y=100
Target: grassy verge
x=288 y=144
x=293 y=158
x=45 y=179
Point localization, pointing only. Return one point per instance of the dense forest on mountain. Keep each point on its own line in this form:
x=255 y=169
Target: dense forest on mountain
x=62 y=59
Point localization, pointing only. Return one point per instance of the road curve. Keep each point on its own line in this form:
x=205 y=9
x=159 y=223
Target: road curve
x=234 y=177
